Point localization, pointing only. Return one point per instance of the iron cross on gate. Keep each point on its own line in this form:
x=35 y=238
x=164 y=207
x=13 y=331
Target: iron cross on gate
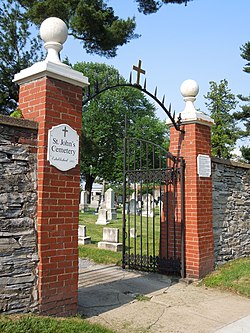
x=139 y=71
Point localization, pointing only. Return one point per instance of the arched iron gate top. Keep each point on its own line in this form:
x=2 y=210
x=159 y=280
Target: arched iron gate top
x=97 y=90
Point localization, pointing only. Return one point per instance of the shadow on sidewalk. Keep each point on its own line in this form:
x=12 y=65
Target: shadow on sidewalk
x=103 y=288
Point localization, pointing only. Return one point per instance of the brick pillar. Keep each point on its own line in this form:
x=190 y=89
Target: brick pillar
x=199 y=242
x=51 y=94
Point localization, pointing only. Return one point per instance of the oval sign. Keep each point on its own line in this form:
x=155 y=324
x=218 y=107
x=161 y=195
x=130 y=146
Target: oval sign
x=63 y=147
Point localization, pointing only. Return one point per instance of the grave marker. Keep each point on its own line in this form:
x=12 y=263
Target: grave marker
x=110 y=240
x=82 y=238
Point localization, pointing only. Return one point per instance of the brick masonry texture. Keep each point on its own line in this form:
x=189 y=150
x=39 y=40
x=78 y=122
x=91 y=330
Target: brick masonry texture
x=199 y=257
x=51 y=102
x=231 y=210
x=18 y=202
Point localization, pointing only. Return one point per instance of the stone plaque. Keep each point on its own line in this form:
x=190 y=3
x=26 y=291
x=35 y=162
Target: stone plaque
x=63 y=147
x=204 y=165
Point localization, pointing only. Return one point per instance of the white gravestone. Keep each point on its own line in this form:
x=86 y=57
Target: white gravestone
x=83 y=201
x=110 y=204
x=133 y=207
x=110 y=240
x=133 y=196
x=147 y=209
x=82 y=238
x=63 y=147
x=102 y=216
x=133 y=233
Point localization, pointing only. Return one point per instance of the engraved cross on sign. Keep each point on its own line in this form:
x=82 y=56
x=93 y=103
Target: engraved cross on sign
x=139 y=71
x=65 y=131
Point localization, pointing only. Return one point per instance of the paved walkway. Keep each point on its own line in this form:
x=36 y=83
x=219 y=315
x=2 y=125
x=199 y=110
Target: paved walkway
x=110 y=296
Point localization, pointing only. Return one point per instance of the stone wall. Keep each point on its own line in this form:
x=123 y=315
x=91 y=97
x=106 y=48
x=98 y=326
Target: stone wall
x=18 y=202
x=231 y=210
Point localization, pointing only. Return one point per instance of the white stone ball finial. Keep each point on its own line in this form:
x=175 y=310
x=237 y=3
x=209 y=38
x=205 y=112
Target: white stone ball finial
x=54 y=33
x=189 y=90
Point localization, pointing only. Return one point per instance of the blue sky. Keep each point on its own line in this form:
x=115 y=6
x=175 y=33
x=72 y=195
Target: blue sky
x=200 y=41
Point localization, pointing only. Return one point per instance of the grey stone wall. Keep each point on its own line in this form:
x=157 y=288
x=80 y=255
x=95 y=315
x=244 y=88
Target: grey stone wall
x=18 y=201
x=231 y=209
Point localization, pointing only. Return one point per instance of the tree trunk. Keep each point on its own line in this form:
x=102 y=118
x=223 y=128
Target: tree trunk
x=88 y=185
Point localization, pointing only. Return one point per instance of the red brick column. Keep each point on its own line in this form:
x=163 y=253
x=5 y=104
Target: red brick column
x=199 y=243
x=51 y=102
x=51 y=94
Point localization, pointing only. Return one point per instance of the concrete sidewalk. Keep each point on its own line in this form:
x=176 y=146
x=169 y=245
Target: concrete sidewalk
x=111 y=297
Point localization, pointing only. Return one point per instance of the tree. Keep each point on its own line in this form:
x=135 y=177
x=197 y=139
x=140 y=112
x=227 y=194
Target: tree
x=244 y=115
x=14 y=52
x=92 y=21
x=152 y=6
x=245 y=151
x=103 y=128
x=224 y=131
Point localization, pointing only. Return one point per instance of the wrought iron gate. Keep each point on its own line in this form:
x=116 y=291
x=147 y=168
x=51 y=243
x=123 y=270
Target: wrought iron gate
x=153 y=225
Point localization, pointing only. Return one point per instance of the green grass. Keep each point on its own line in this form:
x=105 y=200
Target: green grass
x=142 y=298
x=233 y=276
x=95 y=231
x=37 y=324
x=100 y=256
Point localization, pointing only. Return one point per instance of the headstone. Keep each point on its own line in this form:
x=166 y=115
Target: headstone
x=84 y=201
x=82 y=238
x=133 y=233
x=132 y=207
x=133 y=195
x=126 y=208
x=110 y=204
x=147 y=209
x=157 y=194
x=111 y=235
x=110 y=240
x=95 y=202
x=102 y=216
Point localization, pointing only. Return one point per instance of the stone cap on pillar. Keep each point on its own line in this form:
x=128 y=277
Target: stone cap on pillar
x=189 y=90
x=54 y=33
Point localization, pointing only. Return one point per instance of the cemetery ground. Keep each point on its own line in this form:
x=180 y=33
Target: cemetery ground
x=233 y=276
x=95 y=231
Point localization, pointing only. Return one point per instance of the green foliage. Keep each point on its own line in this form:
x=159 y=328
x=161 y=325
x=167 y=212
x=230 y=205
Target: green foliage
x=92 y=21
x=233 y=276
x=17 y=114
x=17 y=51
x=245 y=151
x=152 y=6
x=245 y=54
x=224 y=131
x=39 y=324
x=104 y=119
x=244 y=115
